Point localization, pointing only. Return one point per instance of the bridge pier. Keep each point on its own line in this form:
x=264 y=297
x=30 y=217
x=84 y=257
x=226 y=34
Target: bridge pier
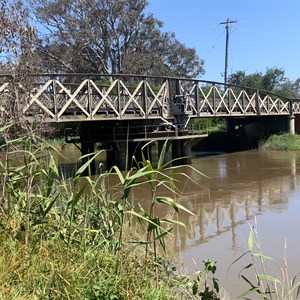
x=127 y=142
x=292 y=125
x=181 y=151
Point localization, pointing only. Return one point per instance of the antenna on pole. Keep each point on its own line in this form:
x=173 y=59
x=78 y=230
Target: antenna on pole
x=227 y=22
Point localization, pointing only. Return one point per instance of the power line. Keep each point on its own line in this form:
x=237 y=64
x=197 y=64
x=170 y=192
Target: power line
x=213 y=46
x=227 y=23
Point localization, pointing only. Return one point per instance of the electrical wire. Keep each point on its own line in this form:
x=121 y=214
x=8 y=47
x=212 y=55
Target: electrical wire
x=213 y=46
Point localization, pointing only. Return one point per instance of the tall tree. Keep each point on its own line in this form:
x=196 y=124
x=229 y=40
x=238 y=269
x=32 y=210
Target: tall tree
x=273 y=80
x=110 y=36
x=17 y=36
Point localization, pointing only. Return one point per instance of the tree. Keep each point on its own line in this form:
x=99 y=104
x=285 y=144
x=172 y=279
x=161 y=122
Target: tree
x=272 y=81
x=110 y=36
x=295 y=87
x=17 y=36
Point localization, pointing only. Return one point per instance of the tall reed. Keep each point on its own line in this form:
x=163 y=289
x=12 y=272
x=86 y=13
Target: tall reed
x=47 y=219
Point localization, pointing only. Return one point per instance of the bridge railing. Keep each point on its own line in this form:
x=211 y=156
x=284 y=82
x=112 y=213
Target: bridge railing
x=79 y=97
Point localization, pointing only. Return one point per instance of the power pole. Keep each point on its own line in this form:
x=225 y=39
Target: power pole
x=227 y=22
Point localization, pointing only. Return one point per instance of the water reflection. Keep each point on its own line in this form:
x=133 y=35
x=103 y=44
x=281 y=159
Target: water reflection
x=240 y=186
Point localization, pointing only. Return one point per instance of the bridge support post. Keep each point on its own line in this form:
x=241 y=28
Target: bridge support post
x=88 y=148
x=291 y=125
x=230 y=130
x=126 y=155
x=116 y=156
x=186 y=152
x=182 y=149
x=110 y=157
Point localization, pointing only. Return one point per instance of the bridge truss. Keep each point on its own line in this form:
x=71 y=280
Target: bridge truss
x=86 y=97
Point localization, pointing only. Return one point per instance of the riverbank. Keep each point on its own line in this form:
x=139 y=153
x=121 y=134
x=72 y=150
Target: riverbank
x=51 y=268
x=281 y=142
x=74 y=238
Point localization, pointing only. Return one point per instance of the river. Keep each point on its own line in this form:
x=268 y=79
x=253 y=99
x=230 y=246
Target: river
x=243 y=189
x=250 y=188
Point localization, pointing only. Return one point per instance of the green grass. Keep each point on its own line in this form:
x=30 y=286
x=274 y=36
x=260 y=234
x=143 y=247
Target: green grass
x=282 y=142
x=71 y=238
x=51 y=269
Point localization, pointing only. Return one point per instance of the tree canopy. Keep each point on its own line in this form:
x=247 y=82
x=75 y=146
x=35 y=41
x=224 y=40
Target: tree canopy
x=96 y=36
x=273 y=80
x=17 y=35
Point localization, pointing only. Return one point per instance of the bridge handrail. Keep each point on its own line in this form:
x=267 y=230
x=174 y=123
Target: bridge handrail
x=195 y=80
x=66 y=97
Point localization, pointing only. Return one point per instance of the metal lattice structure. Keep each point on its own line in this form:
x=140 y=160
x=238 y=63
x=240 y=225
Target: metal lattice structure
x=81 y=97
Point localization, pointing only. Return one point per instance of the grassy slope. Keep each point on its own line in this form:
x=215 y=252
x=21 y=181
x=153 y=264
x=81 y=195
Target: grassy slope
x=282 y=142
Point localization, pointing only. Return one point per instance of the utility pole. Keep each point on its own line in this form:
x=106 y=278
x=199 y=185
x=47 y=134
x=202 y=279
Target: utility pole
x=227 y=22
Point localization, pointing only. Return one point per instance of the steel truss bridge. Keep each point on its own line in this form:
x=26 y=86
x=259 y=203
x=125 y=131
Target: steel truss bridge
x=124 y=112
x=86 y=97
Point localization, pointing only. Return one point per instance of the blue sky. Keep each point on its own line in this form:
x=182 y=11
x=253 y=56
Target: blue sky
x=266 y=35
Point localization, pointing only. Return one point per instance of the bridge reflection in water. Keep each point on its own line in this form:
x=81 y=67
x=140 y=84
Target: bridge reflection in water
x=241 y=186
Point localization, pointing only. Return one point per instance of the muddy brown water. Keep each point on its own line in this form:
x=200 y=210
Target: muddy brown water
x=243 y=189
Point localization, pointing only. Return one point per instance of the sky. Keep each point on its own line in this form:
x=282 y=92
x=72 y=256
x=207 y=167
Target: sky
x=266 y=34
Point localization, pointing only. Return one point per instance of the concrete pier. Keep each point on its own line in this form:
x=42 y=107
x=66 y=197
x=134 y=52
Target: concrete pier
x=292 y=124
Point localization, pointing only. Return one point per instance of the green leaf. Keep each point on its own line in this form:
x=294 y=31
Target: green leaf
x=216 y=285
x=76 y=197
x=236 y=260
x=120 y=175
x=250 y=240
x=269 y=278
x=249 y=282
x=139 y=216
x=50 y=206
x=175 y=205
x=5 y=127
x=173 y=222
x=254 y=289
x=195 y=288
x=87 y=164
x=162 y=155
x=247 y=267
x=262 y=256
x=162 y=235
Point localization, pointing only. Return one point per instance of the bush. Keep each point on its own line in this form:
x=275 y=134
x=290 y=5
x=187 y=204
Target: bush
x=282 y=142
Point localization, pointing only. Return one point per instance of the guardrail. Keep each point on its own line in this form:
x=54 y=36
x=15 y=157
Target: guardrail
x=81 y=97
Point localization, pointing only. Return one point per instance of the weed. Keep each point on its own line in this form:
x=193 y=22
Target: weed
x=282 y=142
x=265 y=285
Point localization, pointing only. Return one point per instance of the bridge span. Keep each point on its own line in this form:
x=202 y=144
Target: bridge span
x=117 y=109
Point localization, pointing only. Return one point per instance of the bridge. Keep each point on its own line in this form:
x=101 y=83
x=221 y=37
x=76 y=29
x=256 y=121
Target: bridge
x=120 y=110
